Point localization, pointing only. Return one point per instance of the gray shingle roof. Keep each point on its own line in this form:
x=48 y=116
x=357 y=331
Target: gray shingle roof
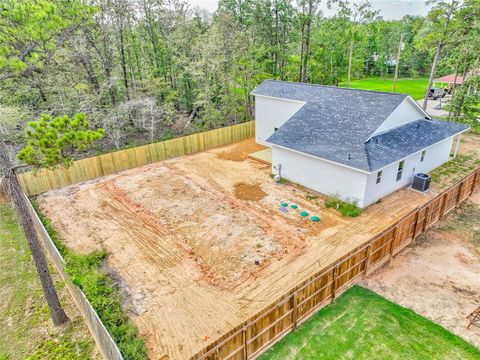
x=398 y=143
x=335 y=124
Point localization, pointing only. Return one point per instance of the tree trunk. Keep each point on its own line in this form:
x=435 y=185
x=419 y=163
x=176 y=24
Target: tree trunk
x=275 y=62
x=123 y=60
x=307 y=43
x=350 y=62
x=432 y=73
x=397 y=64
x=437 y=53
x=457 y=65
x=13 y=188
x=301 y=55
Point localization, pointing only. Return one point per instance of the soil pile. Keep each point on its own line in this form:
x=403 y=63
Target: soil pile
x=251 y=192
x=240 y=151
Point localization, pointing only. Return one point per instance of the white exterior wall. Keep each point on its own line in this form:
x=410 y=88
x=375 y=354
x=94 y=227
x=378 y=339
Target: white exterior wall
x=271 y=113
x=320 y=175
x=406 y=112
x=435 y=156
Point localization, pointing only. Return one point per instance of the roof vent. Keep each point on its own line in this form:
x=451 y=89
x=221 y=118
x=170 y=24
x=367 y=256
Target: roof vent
x=349 y=156
x=418 y=126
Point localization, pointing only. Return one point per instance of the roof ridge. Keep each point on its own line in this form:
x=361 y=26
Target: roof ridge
x=335 y=87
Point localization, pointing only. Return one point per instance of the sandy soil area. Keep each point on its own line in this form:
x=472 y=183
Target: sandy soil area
x=439 y=276
x=200 y=243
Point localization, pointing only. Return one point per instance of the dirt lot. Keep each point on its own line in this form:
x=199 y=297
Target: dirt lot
x=439 y=276
x=200 y=242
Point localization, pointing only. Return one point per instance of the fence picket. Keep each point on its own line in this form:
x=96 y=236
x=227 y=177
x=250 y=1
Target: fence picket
x=325 y=285
x=44 y=180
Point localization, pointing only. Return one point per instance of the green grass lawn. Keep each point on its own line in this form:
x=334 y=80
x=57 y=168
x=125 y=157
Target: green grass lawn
x=414 y=87
x=363 y=325
x=26 y=331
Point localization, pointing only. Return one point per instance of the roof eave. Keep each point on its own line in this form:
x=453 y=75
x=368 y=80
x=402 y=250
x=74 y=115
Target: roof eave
x=373 y=170
x=320 y=158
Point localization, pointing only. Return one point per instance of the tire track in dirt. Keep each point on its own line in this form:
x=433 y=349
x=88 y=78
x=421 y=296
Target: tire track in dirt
x=151 y=249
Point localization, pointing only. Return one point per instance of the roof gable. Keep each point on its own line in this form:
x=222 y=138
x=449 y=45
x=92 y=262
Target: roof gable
x=406 y=112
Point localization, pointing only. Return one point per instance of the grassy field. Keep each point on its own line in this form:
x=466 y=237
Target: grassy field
x=26 y=331
x=363 y=325
x=414 y=87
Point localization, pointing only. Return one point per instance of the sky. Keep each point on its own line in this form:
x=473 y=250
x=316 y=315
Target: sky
x=389 y=9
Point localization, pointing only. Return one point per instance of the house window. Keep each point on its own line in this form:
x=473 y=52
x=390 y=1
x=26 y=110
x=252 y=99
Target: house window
x=401 y=165
x=379 y=177
x=423 y=155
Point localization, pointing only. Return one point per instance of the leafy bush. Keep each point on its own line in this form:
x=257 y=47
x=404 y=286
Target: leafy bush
x=345 y=208
x=102 y=292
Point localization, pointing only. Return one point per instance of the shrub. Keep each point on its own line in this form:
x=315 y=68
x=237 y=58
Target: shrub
x=85 y=271
x=345 y=208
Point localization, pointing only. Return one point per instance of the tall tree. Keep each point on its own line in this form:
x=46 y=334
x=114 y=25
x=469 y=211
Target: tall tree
x=306 y=16
x=358 y=13
x=50 y=142
x=440 y=17
x=397 y=62
x=18 y=198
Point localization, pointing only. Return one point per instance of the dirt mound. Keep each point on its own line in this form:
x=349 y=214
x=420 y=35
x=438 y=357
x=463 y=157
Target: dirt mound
x=251 y=192
x=240 y=151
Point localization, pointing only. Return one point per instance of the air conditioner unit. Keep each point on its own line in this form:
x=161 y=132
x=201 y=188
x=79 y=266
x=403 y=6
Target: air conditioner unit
x=421 y=182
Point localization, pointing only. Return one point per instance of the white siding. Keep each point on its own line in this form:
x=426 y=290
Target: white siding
x=406 y=112
x=319 y=175
x=271 y=113
x=435 y=156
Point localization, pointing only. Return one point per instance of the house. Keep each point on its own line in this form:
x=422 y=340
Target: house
x=355 y=144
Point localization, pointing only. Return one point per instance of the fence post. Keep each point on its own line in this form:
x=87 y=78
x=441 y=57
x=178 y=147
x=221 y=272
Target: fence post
x=415 y=224
x=444 y=205
x=367 y=259
x=459 y=195
x=245 y=345
x=392 y=244
x=475 y=177
x=425 y=221
x=334 y=280
x=294 y=311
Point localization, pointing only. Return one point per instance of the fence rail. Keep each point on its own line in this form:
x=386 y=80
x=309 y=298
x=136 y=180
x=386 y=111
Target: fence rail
x=104 y=341
x=43 y=180
x=252 y=337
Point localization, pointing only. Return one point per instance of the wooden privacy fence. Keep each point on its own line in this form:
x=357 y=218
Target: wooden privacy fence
x=253 y=336
x=93 y=167
x=104 y=341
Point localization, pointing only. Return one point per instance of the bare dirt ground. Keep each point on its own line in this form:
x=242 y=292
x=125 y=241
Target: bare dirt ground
x=185 y=237
x=468 y=159
x=439 y=276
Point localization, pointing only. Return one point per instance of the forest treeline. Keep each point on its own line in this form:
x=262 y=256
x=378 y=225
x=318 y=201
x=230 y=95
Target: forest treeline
x=149 y=69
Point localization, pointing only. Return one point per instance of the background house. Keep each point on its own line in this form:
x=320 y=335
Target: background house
x=355 y=144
